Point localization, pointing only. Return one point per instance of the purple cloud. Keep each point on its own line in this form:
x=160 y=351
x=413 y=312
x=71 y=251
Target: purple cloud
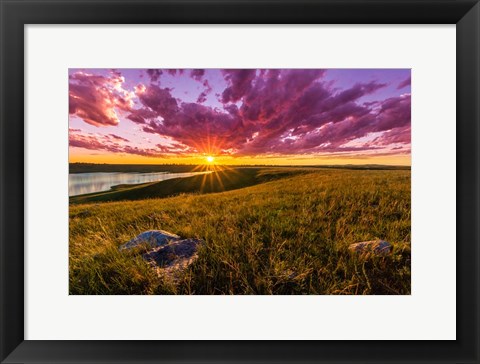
x=104 y=143
x=154 y=74
x=197 y=74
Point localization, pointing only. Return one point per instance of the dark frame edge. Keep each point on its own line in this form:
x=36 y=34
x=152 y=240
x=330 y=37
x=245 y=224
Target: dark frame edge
x=468 y=178
x=11 y=182
x=13 y=348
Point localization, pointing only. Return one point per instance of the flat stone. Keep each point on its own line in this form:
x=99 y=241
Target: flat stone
x=153 y=238
x=375 y=247
x=177 y=255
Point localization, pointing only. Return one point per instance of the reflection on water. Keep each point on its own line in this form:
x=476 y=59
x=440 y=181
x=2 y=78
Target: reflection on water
x=81 y=183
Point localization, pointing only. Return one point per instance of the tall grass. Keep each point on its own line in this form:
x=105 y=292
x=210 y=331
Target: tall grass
x=287 y=236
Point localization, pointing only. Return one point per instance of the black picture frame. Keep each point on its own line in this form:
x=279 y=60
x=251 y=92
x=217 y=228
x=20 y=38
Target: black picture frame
x=15 y=14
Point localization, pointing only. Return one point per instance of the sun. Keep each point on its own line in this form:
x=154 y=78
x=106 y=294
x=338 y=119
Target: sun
x=210 y=159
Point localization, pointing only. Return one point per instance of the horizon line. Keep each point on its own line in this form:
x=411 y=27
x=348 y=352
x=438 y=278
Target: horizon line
x=240 y=165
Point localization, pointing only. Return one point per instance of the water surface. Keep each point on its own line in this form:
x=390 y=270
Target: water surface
x=81 y=183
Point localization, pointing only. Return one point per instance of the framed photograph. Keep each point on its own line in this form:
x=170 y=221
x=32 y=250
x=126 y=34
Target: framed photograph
x=240 y=181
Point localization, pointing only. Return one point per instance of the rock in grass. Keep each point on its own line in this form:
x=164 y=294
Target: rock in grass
x=168 y=253
x=174 y=256
x=152 y=238
x=372 y=247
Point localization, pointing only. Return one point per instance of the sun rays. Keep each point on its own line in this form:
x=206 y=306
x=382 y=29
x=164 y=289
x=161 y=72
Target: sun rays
x=218 y=173
x=211 y=150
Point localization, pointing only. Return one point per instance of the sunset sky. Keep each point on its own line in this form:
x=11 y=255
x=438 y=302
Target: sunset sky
x=250 y=116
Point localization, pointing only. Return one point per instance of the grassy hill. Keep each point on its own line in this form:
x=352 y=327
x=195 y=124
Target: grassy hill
x=286 y=235
x=216 y=181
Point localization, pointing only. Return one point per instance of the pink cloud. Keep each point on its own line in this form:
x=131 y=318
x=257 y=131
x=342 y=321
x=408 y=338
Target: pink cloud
x=105 y=143
x=117 y=137
x=400 y=135
x=95 y=98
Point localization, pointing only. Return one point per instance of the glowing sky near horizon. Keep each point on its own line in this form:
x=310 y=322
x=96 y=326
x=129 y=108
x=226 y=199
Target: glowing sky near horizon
x=249 y=116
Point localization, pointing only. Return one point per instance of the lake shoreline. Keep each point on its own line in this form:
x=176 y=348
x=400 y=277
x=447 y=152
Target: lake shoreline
x=88 y=183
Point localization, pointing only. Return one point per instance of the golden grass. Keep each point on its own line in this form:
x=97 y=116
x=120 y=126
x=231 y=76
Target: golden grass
x=287 y=236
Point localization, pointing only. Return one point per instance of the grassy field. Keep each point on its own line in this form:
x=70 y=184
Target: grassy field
x=276 y=231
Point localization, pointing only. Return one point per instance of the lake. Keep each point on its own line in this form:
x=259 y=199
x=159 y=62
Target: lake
x=81 y=183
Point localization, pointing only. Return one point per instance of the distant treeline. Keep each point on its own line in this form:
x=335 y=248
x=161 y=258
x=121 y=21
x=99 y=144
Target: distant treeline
x=179 y=168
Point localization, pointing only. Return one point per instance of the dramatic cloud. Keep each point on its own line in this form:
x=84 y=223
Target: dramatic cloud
x=282 y=112
x=192 y=124
x=240 y=83
x=258 y=112
x=96 y=99
x=158 y=100
x=394 y=112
